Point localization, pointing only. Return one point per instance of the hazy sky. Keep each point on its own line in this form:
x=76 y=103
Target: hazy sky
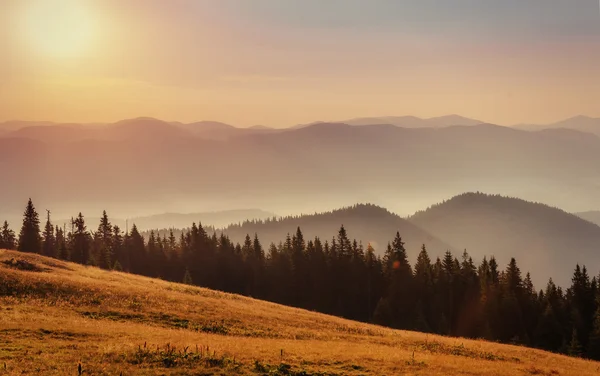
x=283 y=62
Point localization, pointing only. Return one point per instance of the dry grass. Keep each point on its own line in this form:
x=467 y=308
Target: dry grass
x=54 y=315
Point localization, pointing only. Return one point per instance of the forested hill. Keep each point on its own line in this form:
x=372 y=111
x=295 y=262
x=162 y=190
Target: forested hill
x=542 y=237
x=369 y=224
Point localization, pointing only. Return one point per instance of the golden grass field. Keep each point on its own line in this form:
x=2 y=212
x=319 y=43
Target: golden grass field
x=115 y=323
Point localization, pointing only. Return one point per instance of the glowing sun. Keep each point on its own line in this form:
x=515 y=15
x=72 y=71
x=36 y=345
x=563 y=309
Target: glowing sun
x=58 y=28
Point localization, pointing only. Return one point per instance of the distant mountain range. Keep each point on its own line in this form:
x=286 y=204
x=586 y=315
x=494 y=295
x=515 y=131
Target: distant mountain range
x=219 y=130
x=216 y=219
x=414 y=122
x=158 y=166
x=578 y=123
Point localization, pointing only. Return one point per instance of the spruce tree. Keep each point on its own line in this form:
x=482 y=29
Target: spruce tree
x=136 y=251
x=103 y=239
x=7 y=237
x=48 y=238
x=423 y=282
x=80 y=252
x=396 y=309
x=29 y=237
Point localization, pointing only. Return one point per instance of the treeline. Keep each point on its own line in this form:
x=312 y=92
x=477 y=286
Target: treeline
x=339 y=276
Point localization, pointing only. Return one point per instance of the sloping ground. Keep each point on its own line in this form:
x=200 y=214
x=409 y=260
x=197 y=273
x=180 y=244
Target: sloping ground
x=590 y=216
x=55 y=314
x=546 y=241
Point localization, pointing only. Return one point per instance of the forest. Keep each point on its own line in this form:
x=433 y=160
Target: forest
x=342 y=277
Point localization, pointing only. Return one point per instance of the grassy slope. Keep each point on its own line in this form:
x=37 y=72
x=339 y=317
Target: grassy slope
x=113 y=322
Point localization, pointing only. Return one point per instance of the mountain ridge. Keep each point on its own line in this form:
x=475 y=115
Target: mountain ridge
x=543 y=238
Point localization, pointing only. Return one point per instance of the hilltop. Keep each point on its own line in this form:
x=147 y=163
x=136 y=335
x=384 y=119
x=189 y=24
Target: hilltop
x=592 y=216
x=55 y=314
x=367 y=223
x=543 y=238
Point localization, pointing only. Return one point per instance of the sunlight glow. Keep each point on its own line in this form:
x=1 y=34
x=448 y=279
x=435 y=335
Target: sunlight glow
x=58 y=28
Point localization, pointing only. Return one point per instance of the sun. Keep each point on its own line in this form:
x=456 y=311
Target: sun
x=58 y=28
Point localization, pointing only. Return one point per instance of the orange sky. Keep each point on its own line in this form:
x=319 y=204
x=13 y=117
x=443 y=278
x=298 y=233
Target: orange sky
x=283 y=63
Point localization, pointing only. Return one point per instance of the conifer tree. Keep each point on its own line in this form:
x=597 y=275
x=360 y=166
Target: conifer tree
x=118 y=248
x=593 y=348
x=136 y=251
x=62 y=250
x=423 y=282
x=396 y=308
x=81 y=242
x=29 y=237
x=48 y=238
x=7 y=237
x=103 y=239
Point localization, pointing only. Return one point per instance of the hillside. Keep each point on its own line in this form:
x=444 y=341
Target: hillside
x=542 y=238
x=591 y=216
x=55 y=314
x=366 y=223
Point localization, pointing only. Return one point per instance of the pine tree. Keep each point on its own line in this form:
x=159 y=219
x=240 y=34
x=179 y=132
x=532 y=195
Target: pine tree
x=548 y=334
x=118 y=248
x=423 y=282
x=29 y=237
x=136 y=251
x=62 y=250
x=396 y=309
x=81 y=242
x=48 y=238
x=7 y=237
x=103 y=240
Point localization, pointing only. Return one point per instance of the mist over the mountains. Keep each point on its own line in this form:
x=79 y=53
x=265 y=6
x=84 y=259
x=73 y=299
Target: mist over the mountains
x=145 y=166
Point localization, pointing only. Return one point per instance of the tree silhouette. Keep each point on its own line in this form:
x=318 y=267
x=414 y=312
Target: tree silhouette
x=29 y=237
x=48 y=238
x=7 y=237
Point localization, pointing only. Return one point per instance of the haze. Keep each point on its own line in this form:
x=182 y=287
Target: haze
x=280 y=63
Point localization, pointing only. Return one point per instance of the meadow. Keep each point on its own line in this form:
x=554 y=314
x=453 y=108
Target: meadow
x=61 y=318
